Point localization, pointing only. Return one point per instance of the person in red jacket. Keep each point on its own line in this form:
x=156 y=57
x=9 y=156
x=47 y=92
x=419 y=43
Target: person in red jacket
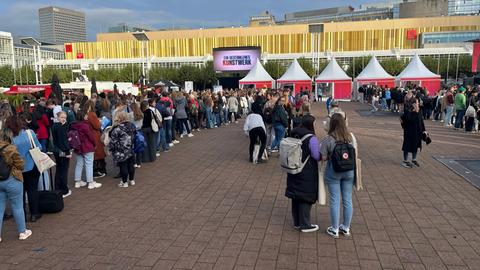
x=42 y=123
x=85 y=152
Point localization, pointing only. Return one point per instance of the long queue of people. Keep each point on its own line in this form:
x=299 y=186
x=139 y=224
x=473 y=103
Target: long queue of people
x=278 y=115
x=131 y=129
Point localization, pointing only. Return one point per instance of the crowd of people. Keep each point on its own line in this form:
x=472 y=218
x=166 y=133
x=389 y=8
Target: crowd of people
x=455 y=106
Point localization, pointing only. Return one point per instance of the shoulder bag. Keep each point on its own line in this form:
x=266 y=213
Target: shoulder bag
x=41 y=160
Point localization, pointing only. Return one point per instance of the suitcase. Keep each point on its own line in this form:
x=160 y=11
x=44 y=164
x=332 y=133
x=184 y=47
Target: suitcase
x=50 y=201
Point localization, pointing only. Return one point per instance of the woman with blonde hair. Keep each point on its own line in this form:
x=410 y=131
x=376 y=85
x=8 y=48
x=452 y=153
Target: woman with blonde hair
x=121 y=143
x=339 y=149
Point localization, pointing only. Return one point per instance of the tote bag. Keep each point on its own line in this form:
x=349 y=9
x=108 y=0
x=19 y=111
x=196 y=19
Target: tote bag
x=322 y=193
x=41 y=160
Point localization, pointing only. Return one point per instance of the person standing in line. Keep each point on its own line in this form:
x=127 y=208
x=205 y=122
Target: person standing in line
x=85 y=152
x=449 y=102
x=20 y=138
x=460 y=107
x=121 y=146
x=340 y=183
x=40 y=119
x=268 y=117
x=209 y=111
x=99 y=164
x=11 y=189
x=62 y=153
x=280 y=124
x=413 y=128
x=137 y=121
x=302 y=188
x=180 y=102
x=255 y=129
x=147 y=107
x=232 y=106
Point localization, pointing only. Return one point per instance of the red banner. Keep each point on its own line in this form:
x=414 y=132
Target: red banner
x=79 y=55
x=411 y=34
x=68 y=48
x=476 y=57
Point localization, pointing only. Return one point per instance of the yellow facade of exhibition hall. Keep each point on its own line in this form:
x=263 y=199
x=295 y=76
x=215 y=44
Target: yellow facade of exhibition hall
x=275 y=39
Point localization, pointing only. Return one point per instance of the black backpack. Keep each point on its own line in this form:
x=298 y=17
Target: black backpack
x=5 y=169
x=268 y=115
x=343 y=157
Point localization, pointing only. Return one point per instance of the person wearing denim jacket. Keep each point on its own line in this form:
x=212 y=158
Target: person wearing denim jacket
x=339 y=183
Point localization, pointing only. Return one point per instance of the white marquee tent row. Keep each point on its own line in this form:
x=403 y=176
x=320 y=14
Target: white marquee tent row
x=334 y=81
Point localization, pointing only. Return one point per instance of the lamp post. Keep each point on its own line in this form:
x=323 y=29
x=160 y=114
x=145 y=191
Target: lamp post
x=143 y=38
x=37 y=58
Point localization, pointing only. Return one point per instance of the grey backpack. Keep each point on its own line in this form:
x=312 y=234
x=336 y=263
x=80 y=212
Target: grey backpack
x=291 y=154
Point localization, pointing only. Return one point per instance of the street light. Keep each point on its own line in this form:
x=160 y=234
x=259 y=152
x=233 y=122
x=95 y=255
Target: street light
x=143 y=38
x=36 y=57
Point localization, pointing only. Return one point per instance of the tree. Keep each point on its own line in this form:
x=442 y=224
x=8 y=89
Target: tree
x=357 y=65
x=275 y=69
x=207 y=75
x=307 y=66
x=393 y=66
x=6 y=76
x=187 y=73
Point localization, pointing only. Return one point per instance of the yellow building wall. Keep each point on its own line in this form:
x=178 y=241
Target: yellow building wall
x=278 y=39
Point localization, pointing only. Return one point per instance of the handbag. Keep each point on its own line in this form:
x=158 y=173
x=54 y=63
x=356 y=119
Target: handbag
x=154 y=122
x=41 y=160
x=322 y=193
x=470 y=111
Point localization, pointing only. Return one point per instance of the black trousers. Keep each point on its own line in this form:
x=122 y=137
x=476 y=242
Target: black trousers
x=181 y=123
x=127 y=171
x=257 y=134
x=149 y=155
x=301 y=214
x=138 y=158
x=100 y=165
x=61 y=173
x=30 y=186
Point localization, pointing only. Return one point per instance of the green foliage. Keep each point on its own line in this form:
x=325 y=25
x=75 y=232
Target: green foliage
x=14 y=100
x=393 y=66
x=307 y=66
x=64 y=75
x=275 y=69
x=6 y=76
x=357 y=65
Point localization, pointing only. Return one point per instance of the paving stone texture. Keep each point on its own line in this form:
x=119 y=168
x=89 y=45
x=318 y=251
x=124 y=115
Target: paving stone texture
x=203 y=206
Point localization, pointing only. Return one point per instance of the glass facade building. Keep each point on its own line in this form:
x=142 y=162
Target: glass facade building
x=60 y=25
x=463 y=7
x=449 y=37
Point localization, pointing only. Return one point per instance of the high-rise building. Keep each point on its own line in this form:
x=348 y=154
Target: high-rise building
x=463 y=7
x=6 y=49
x=61 y=25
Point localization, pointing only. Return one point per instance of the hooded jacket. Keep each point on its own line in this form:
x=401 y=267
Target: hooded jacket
x=86 y=137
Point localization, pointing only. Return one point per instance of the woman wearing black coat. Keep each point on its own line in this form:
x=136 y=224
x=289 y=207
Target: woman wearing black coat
x=413 y=129
x=302 y=188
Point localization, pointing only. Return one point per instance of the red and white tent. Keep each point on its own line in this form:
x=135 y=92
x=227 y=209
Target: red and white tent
x=296 y=76
x=374 y=73
x=29 y=89
x=417 y=73
x=258 y=77
x=341 y=82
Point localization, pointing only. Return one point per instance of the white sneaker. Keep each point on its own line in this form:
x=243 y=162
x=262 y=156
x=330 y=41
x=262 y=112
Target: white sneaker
x=68 y=194
x=171 y=144
x=181 y=136
x=332 y=232
x=24 y=235
x=198 y=129
x=157 y=154
x=132 y=182
x=93 y=185
x=135 y=165
x=313 y=228
x=123 y=185
x=79 y=184
x=189 y=135
x=176 y=142
x=236 y=122
x=343 y=230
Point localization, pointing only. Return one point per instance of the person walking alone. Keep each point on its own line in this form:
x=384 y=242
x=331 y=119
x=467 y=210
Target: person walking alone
x=255 y=129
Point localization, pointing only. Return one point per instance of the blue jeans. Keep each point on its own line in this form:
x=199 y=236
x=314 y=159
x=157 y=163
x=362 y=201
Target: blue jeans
x=225 y=115
x=209 y=117
x=12 y=190
x=168 y=130
x=459 y=119
x=448 y=115
x=162 y=142
x=340 y=183
x=279 y=134
x=87 y=160
x=43 y=143
x=218 y=119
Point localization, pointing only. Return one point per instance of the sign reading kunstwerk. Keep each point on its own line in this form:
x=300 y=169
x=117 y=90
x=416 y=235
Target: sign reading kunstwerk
x=235 y=60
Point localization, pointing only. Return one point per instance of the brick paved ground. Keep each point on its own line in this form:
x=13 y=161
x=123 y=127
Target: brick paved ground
x=203 y=206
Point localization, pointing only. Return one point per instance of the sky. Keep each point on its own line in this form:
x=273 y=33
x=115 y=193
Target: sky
x=20 y=17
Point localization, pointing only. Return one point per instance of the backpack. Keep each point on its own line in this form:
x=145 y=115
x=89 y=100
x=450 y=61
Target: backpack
x=194 y=108
x=139 y=143
x=5 y=169
x=105 y=138
x=343 y=157
x=74 y=141
x=291 y=154
x=268 y=115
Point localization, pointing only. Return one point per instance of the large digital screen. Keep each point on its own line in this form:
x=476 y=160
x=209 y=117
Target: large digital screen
x=235 y=58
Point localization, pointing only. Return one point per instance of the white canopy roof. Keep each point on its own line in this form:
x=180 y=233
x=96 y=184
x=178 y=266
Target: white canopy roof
x=373 y=71
x=333 y=72
x=257 y=74
x=295 y=72
x=416 y=69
